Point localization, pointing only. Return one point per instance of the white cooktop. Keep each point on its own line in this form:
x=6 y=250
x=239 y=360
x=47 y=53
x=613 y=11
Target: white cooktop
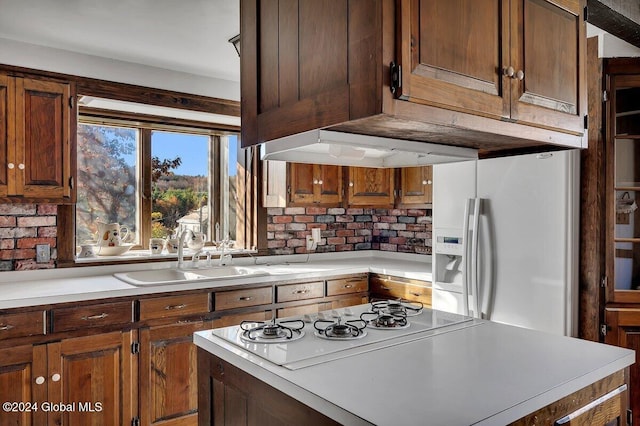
x=311 y=349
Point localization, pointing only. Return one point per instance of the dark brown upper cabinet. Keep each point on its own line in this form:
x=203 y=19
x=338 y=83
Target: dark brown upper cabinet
x=503 y=76
x=37 y=139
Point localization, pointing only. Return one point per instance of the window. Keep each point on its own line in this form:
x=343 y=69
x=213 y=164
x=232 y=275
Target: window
x=155 y=180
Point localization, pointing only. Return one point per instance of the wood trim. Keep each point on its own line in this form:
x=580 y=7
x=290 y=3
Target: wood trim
x=144 y=160
x=592 y=186
x=66 y=230
x=134 y=93
x=610 y=16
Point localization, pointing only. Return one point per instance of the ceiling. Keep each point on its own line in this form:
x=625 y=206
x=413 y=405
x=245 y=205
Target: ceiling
x=189 y=36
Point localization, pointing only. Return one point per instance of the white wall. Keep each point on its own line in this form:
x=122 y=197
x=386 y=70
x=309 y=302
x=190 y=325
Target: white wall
x=610 y=46
x=63 y=61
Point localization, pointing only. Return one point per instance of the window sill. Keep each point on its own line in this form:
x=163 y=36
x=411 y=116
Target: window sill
x=141 y=256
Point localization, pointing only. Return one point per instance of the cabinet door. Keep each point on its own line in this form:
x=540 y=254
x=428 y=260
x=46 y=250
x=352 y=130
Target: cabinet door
x=548 y=46
x=295 y=73
x=623 y=329
x=370 y=187
x=452 y=54
x=7 y=131
x=43 y=139
x=416 y=185
x=329 y=186
x=301 y=183
x=98 y=374
x=23 y=372
x=168 y=376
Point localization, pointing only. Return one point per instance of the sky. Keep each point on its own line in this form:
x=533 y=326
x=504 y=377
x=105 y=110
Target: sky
x=192 y=149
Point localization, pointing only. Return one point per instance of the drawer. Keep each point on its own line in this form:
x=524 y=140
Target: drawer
x=236 y=319
x=241 y=298
x=298 y=311
x=391 y=289
x=293 y=292
x=96 y=315
x=354 y=284
x=22 y=325
x=174 y=306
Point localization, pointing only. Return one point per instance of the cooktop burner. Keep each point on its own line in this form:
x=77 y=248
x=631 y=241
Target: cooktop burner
x=271 y=331
x=397 y=307
x=337 y=330
x=385 y=321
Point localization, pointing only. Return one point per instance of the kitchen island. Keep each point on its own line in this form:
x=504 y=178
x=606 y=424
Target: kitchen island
x=472 y=372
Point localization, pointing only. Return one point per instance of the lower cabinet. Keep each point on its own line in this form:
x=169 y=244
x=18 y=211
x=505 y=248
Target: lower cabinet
x=623 y=329
x=168 y=377
x=229 y=396
x=387 y=287
x=76 y=381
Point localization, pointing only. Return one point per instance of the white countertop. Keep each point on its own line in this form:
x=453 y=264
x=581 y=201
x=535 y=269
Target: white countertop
x=31 y=288
x=485 y=374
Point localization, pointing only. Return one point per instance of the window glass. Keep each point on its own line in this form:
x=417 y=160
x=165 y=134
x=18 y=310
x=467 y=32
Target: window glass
x=180 y=182
x=107 y=180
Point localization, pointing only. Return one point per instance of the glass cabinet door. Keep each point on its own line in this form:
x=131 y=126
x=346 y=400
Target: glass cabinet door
x=623 y=194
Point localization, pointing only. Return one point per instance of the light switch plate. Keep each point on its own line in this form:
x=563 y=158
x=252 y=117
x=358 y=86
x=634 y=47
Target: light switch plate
x=43 y=253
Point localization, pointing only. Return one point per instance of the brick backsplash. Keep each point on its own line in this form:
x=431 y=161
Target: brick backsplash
x=22 y=227
x=399 y=230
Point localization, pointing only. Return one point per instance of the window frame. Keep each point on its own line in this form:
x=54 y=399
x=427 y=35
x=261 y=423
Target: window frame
x=145 y=125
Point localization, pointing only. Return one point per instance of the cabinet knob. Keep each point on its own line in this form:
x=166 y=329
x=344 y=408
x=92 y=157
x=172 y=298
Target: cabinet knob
x=21 y=166
x=519 y=75
x=55 y=377
x=508 y=71
x=11 y=165
x=320 y=182
x=40 y=380
x=350 y=183
x=315 y=181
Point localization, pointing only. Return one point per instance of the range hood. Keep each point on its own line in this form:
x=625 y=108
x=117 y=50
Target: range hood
x=348 y=149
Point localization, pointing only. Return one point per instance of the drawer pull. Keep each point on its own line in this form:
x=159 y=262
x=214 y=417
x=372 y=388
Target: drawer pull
x=40 y=380
x=174 y=307
x=245 y=298
x=304 y=291
x=385 y=288
x=95 y=317
x=415 y=294
x=5 y=327
x=590 y=406
x=348 y=286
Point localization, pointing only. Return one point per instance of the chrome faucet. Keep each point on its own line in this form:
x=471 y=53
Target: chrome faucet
x=225 y=259
x=196 y=257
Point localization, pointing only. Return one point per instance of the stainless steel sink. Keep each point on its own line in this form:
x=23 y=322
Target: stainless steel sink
x=178 y=276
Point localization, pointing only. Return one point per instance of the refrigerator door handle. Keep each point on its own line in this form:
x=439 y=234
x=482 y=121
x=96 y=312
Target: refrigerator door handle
x=465 y=258
x=475 y=288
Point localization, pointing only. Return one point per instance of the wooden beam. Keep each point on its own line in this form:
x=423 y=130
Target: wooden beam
x=620 y=18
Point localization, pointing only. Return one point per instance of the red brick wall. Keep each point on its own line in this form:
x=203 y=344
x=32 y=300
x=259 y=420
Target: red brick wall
x=400 y=230
x=22 y=226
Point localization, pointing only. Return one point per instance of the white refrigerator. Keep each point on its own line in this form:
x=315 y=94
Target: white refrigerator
x=505 y=240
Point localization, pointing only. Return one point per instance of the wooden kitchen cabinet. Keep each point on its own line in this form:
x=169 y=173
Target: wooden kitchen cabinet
x=623 y=329
x=94 y=373
x=416 y=187
x=37 y=142
x=511 y=78
x=387 y=287
x=370 y=186
x=522 y=60
x=229 y=396
x=168 y=376
x=314 y=184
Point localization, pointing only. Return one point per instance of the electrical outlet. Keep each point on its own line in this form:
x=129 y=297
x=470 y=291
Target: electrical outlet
x=43 y=253
x=311 y=243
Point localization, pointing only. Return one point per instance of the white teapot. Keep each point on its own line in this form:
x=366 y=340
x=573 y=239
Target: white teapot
x=111 y=234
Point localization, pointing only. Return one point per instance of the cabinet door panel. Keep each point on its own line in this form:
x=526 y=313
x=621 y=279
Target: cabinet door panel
x=19 y=368
x=168 y=376
x=548 y=95
x=417 y=185
x=458 y=58
x=329 y=184
x=301 y=183
x=370 y=186
x=91 y=370
x=44 y=128
x=7 y=130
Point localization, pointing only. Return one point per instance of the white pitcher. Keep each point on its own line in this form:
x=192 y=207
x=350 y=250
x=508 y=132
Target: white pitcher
x=111 y=234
